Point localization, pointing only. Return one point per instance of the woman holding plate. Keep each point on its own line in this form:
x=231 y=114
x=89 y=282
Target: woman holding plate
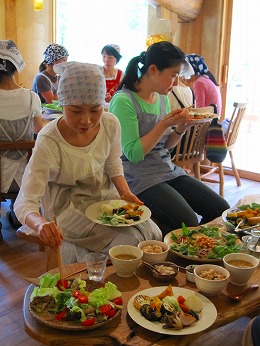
x=149 y=131
x=76 y=163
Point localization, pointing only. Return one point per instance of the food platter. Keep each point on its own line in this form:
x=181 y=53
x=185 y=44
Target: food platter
x=207 y=318
x=168 y=240
x=94 y=211
x=245 y=219
x=205 y=120
x=49 y=320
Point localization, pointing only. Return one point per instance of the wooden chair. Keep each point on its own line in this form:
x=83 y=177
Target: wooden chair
x=231 y=138
x=191 y=150
x=15 y=145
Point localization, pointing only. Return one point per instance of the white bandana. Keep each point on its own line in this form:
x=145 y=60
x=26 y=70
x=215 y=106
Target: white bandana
x=9 y=51
x=80 y=83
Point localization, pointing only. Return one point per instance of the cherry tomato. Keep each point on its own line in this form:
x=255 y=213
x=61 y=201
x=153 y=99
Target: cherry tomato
x=63 y=284
x=111 y=313
x=104 y=309
x=61 y=314
x=88 y=322
x=181 y=299
x=118 y=301
x=83 y=299
x=76 y=293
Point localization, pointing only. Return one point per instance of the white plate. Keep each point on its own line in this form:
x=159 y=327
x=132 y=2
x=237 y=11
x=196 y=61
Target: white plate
x=207 y=316
x=94 y=211
x=205 y=120
x=224 y=216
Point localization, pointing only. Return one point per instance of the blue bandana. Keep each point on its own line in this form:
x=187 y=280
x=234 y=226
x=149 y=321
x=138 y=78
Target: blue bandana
x=54 y=52
x=198 y=64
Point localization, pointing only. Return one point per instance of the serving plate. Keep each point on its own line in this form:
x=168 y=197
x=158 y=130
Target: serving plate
x=207 y=316
x=168 y=240
x=239 y=208
x=49 y=320
x=94 y=211
x=205 y=120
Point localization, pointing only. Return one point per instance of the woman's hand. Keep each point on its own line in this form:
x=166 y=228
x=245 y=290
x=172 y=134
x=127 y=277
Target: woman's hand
x=181 y=117
x=49 y=233
x=130 y=197
x=108 y=97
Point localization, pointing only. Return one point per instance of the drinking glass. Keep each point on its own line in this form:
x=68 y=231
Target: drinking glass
x=96 y=265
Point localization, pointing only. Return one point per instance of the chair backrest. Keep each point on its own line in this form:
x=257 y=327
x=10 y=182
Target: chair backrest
x=234 y=123
x=192 y=149
x=26 y=145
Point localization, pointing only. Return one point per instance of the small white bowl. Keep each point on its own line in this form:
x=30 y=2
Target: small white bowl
x=210 y=287
x=240 y=276
x=190 y=276
x=151 y=257
x=125 y=267
x=165 y=277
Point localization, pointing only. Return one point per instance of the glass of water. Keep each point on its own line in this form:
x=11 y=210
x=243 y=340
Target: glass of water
x=96 y=265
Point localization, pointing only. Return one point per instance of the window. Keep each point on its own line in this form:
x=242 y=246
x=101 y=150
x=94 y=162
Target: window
x=85 y=27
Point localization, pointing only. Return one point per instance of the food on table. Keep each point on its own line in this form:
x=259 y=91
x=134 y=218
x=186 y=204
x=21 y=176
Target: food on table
x=204 y=242
x=173 y=312
x=152 y=249
x=197 y=115
x=240 y=264
x=248 y=214
x=120 y=213
x=84 y=302
x=125 y=257
x=211 y=274
x=164 y=270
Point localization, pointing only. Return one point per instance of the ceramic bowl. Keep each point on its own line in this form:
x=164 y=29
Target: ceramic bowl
x=151 y=257
x=125 y=259
x=208 y=286
x=190 y=276
x=240 y=276
x=165 y=267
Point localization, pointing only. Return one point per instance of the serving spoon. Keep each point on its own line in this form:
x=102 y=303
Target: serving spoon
x=172 y=264
x=239 y=296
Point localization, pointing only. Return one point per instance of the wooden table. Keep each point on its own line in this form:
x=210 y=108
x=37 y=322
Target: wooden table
x=123 y=330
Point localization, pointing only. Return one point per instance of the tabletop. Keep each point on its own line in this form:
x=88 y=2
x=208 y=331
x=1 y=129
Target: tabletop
x=123 y=330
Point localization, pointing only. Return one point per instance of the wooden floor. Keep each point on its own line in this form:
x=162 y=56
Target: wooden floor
x=19 y=259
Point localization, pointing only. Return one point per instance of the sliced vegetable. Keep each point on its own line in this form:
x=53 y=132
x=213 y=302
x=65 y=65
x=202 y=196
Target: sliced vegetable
x=88 y=322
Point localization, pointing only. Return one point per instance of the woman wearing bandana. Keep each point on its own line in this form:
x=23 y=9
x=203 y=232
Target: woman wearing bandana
x=45 y=83
x=75 y=163
x=20 y=118
x=111 y=56
x=204 y=85
x=143 y=108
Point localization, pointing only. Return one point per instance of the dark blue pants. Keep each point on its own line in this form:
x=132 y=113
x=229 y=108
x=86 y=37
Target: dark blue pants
x=181 y=200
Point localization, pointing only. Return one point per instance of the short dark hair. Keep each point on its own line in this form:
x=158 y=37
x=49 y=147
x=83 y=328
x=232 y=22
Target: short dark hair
x=11 y=69
x=109 y=50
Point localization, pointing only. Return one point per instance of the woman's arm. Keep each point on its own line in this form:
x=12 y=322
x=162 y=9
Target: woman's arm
x=49 y=96
x=124 y=190
x=37 y=124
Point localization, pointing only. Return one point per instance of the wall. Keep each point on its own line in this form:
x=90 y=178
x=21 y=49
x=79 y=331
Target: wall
x=33 y=31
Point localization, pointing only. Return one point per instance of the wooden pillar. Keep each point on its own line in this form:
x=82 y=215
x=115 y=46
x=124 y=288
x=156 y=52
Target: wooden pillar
x=10 y=20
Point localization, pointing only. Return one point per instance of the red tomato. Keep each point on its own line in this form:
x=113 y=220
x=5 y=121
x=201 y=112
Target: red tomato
x=76 y=293
x=184 y=308
x=88 y=322
x=63 y=284
x=111 y=313
x=181 y=299
x=83 y=299
x=104 y=309
x=118 y=301
x=61 y=314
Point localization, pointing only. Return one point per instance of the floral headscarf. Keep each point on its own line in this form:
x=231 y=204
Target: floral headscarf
x=80 y=83
x=198 y=64
x=9 y=51
x=54 y=52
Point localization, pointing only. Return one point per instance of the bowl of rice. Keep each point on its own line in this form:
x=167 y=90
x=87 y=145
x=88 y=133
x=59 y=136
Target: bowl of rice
x=154 y=250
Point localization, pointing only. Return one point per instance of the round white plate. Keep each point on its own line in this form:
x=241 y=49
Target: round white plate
x=224 y=216
x=205 y=120
x=94 y=211
x=55 y=115
x=208 y=314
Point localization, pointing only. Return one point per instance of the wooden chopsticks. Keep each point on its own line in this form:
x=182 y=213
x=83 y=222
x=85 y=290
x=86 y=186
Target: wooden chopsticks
x=59 y=255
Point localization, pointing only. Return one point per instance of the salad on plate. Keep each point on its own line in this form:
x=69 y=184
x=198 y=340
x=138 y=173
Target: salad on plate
x=82 y=303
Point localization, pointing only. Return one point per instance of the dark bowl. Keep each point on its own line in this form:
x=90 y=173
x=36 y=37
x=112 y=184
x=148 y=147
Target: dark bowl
x=164 y=277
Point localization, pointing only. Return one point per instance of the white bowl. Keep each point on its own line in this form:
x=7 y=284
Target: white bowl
x=190 y=276
x=210 y=287
x=151 y=257
x=125 y=267
x=240 y=276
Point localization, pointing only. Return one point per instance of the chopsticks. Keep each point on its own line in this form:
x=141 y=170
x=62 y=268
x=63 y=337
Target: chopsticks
x=59 y=255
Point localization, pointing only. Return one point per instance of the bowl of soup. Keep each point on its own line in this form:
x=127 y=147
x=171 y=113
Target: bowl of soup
x=125 y=259
x=241 y=267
